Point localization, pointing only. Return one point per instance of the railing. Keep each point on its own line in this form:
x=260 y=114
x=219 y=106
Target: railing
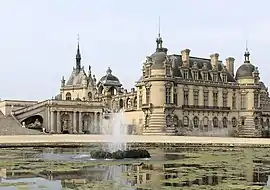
x=206 y=107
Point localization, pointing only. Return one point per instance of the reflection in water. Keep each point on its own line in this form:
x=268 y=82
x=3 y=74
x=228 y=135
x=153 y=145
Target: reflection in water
x=168 y=168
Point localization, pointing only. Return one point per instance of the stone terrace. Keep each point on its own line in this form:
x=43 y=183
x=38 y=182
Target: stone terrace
x=146 y=141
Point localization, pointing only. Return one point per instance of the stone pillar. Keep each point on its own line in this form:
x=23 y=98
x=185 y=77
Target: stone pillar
x=80 y=123
x=95 y=122
x=52 y=122
x=48 y=120
x=58 y=124
x=74 y=122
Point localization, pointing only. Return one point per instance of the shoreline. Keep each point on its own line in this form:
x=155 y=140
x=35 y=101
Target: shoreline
x=131 y=140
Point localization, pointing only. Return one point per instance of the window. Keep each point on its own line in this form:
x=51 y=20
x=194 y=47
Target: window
x=196 y=122
x=215 y=122
x=168 y=95
x=233 y=101
x=68 y=96
x=185 y=121
x=175 y=96
x=185 y=74
x=225 y=99
x=215 y=77
x=256 y=122
x=234 y=122
x=243 y=101
x=224 y=77
x=89 y=95
x=135 y=102
x=140 y=99
x=256 y=100
x=195 y=75
x=168 y=71
x=205 y=121
x=205 y=76
x=225 y=122
x=205 y=98
x=215 y=99
x=196 y=97
x=147 y=95
x=185 y=97
x=242 y=121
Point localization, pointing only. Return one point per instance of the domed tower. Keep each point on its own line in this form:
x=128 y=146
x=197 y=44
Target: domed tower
x=157 y=78
x=108 y=86
x=247 y=76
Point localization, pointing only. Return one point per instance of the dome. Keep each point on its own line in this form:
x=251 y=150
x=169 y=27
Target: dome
x=158 y=58
x=245 y=70
x=110 y=79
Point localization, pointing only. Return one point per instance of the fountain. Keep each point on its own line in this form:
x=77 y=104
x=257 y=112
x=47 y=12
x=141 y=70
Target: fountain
x=118 y=129
x=117 y=147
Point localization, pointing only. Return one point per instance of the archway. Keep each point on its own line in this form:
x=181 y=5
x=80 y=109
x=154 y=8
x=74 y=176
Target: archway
x=121 y=103
x=33 y=122
x=112 y=91
x=215 y=122
x=168 y=120
x=89 y=95
x=86 y=124
x=196 y=122
x=135 y=102
x=66 y=124
x=68 y=96
x=128 y=103
x=256 y=122
x=185 y=121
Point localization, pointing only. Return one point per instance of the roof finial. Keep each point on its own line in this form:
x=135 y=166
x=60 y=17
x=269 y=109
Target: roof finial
x=78 y=55
x=159 y=39
x=159 y=26
x=246 y=45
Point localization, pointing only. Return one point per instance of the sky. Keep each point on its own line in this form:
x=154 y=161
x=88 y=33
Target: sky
x=38 y=39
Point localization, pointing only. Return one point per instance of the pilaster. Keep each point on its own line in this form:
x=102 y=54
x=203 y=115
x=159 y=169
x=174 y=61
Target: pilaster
x=74 y=122
x=58 y=124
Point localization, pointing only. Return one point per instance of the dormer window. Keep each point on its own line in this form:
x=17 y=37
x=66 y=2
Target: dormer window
x=185 y=73
x=196 y=75
x=205 y=76
x=215 y=78
x=224 y=77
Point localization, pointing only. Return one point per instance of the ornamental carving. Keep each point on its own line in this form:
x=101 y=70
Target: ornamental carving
x=168 y=84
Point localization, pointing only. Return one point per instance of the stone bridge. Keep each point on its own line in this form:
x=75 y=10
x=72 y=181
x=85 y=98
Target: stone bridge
x=62 y=116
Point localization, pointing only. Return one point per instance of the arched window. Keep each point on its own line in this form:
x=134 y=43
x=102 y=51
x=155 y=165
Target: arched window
x=128 y=103
x=205 y=121
x=196 y=122
x=234 y=122
x=168 y=120
x=185 y=121
x=121 y=103
x=225 y=122
x=267 y=122
x=68 y=96
x=89 y=96
x=256 y=122
x=215 y=122
x=135 y=102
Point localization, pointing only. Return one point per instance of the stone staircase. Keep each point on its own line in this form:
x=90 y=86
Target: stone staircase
x=9 y=126
x=157 y=125
x=248 y=130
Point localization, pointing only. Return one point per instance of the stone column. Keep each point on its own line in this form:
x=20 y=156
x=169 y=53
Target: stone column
x=52 y=122
x=80 y=123
x=58 y=125
x=95 y=122
x=48 y=120
x=74 y=122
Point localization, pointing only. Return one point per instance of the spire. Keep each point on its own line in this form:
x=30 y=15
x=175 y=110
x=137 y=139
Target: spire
x=78 y=55
x=247 y=54
x=159 y=39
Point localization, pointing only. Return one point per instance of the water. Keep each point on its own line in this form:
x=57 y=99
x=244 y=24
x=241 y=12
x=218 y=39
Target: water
x=117 y=128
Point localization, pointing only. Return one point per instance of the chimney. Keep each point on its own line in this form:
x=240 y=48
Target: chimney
x=214 y=59
x=230 y=65
x=185 y=57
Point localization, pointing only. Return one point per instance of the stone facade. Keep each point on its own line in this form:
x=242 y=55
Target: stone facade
x=176 y=94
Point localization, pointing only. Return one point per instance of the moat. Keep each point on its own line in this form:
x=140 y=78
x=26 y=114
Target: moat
x=168 y=168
